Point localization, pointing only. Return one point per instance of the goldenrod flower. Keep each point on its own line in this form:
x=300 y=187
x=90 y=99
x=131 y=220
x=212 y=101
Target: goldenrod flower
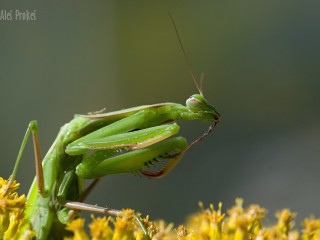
x=183 y=233
x=12 y=208
x=151 y=227
x=16 y=219
x=255 y=215
x=311 y=229
x=210 y=224
x=285 y=220
x=163 y=230
x=76 y=226
x=6 y=189
x=100 y=229
x=124 y=226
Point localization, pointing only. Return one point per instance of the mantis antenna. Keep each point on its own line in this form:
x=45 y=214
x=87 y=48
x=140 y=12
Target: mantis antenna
x=213 y=125
x=186 y=56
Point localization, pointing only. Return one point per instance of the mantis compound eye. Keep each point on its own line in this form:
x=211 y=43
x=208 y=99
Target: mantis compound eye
x=194 y=103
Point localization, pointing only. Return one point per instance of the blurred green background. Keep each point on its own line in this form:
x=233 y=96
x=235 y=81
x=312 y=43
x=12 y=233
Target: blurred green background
x=261 y=65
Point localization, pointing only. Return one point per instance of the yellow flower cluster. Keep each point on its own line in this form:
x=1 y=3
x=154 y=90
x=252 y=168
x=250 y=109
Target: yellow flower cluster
x=124 y=228
x=237 y=223
x=12 y=208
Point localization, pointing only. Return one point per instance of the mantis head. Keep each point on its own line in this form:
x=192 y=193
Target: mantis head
x=198 y=104
x=202 y=110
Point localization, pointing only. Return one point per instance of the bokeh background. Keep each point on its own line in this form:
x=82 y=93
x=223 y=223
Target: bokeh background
x=261 y=65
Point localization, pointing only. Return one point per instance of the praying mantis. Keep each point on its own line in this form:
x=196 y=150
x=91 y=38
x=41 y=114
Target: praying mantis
x=98 y=144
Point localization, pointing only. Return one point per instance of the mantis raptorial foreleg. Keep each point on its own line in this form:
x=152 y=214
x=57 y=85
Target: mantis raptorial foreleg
x=130 y=140
x=134 y=161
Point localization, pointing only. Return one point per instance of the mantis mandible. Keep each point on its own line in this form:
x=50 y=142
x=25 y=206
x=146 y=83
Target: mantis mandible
x=95 y=145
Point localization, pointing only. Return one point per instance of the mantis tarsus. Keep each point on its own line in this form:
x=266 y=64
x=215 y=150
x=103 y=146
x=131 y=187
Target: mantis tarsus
x=95 y=145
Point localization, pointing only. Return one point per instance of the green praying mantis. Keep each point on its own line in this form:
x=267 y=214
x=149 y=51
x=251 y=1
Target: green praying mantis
x=98 y=144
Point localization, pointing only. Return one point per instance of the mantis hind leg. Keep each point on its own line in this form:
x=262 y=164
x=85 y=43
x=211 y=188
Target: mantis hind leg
x=71 y=208
x=33 y=130
x=78 y=206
